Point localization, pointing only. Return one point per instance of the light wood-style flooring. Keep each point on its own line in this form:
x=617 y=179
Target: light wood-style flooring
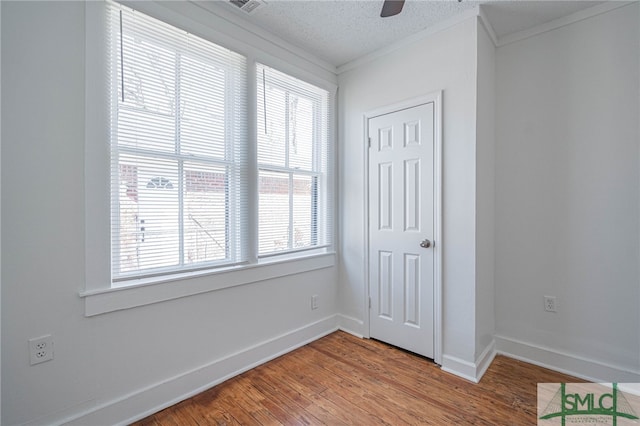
x=341 y=379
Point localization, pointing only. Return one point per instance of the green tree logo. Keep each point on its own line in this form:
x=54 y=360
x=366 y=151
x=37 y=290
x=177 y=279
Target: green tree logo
x=605 y=404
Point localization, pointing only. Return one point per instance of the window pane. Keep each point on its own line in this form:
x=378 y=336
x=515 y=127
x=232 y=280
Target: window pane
x=202 y=109
x=148 y=214
x=303 y=211
x=146 y=116
x=149 y=83
x=146 y=130
x=272 y=138
x=301 y=133
x=205 y=213
x=274 y=211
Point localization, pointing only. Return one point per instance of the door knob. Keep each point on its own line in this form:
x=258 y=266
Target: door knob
x=425 y=244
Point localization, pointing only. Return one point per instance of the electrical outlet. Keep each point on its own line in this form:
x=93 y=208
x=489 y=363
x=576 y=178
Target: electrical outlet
x=314 y=301
x=40 y=349
x=550 y=304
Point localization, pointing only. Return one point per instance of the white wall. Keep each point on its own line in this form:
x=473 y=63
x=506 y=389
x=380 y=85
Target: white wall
x=444 y=61
x=485 y=192
x=117 y=365
x=567 y=179
x=567 y=196
x=0 y=213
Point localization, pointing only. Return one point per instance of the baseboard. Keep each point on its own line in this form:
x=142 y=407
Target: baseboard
x=472 y=371
x=459 y=367
x=485 y=359
x=147 y=401
x=351 y=325
x=563 y=362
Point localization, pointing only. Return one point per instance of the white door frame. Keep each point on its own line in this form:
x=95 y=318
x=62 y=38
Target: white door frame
x=436 y=98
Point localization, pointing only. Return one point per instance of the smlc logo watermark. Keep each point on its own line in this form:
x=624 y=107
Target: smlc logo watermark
x=587 y=404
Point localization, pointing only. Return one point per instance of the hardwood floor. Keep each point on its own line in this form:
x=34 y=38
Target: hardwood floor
x=341 y=379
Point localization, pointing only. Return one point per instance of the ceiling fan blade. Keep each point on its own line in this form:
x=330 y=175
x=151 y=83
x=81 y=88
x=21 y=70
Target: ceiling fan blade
x=391 y=8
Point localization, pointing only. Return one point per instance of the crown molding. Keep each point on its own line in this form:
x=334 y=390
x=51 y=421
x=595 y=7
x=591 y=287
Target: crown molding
x=561 y=22
x=487 y=25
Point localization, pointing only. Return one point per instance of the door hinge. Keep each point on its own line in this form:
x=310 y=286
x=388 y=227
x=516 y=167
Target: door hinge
x=369 y=303
x=369 y=142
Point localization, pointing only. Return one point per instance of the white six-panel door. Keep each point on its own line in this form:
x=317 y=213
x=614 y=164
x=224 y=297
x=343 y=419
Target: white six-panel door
x=401 y=228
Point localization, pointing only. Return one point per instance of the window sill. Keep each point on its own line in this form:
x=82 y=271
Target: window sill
x=153 y=290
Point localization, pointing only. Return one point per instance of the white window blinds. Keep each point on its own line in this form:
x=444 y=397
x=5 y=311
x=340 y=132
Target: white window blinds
x=178 y=149
x=295 y=209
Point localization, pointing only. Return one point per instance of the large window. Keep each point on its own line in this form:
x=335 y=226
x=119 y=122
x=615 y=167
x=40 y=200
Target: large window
x=178 y=143
x=292 y=162
x=181 y=173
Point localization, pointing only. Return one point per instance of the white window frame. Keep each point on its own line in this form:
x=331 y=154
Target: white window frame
x=99 y=293
x=318 y=171
x=234 y=160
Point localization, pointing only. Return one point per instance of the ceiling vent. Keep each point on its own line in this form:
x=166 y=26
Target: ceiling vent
x=248 y=5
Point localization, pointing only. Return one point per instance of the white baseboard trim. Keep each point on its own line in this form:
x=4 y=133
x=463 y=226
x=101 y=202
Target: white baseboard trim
x=485 y=359
x=472 y=371
x=149 y=400
x=563 y=362
x=459 y=367
x=351 y=325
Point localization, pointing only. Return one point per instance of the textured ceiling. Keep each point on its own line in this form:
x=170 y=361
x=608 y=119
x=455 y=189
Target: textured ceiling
x=340 y=31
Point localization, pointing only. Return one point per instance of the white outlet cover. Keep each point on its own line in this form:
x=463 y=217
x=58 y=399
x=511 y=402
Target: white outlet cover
x=40 y=349
x=550 y=304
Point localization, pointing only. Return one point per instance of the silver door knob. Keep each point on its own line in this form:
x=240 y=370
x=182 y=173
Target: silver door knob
x=425 y=244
